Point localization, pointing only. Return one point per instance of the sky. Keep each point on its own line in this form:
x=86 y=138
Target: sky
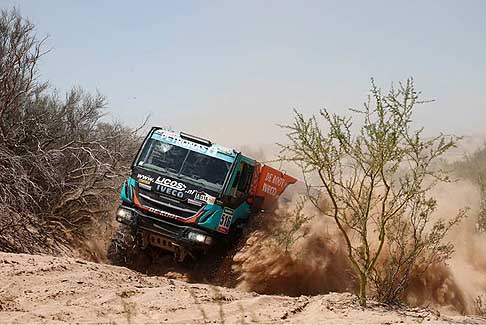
x=231 y=71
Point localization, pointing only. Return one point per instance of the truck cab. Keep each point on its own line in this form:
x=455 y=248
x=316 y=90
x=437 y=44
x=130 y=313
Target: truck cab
x=185 y=193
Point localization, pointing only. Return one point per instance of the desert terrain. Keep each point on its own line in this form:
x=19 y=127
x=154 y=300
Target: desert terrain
x=46 y=289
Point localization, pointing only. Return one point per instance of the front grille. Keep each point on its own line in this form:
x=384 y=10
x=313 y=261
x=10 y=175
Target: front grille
x=161 y=227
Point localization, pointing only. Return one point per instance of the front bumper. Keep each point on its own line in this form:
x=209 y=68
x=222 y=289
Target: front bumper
x=180 y=234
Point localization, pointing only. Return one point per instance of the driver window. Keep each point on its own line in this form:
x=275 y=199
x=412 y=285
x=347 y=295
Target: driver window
x=242 y=180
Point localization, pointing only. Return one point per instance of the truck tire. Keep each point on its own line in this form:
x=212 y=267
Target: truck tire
x=234 y=235
x=124 y=249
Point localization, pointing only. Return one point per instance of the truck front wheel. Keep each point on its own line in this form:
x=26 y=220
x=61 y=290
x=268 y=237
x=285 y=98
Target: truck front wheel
x=125 y=249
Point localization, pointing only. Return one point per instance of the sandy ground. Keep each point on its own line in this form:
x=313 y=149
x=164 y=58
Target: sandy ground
x=45 y=289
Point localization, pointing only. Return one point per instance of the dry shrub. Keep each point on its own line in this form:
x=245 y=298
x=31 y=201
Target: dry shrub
x=376 y=174
x=473 y=168
x=480 y=304
x=60 y=164
x=481 y=224
x=414 y=243
x=289 y=226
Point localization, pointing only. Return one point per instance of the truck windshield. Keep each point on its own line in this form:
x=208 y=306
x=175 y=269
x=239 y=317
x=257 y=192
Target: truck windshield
x=206 y=171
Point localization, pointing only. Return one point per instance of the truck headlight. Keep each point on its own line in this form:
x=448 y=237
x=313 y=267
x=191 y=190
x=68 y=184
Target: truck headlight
x=200 y=238
x=124 y=215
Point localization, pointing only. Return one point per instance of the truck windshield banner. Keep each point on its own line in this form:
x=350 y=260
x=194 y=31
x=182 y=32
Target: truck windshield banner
x=213 y=151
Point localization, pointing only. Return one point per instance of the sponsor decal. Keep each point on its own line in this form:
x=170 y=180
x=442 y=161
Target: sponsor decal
x=213 y=151
x=274 y=179
x=163 y=213
x=272 y=184
x=145 y=186
x=194 y=202
x=170 y=215
x=225 y=221
x=226 y=151
x=163 y=185
x=171 y=187
x=205 y=197
x=170 y=191
x=172 y=138
x=144 y=179
x=174 y=188
x=167 y=182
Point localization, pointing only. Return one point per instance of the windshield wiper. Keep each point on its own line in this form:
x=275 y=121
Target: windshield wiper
x=203 y=184
x=157 y=169
x=192 y=179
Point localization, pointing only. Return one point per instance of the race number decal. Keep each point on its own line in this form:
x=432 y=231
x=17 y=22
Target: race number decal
x=225 y=222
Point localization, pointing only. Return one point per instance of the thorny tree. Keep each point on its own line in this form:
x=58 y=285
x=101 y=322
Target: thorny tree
x=414 y=242
x=473 y=168
x=374 y=175
x=58 y=161
x=290 y=228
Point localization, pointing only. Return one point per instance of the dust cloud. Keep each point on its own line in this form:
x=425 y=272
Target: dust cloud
x=317 y=263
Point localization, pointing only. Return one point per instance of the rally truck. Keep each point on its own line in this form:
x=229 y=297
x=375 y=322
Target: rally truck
x=186 y=194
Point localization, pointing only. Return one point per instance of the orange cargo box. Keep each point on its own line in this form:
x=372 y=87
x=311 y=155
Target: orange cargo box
x=270 y=183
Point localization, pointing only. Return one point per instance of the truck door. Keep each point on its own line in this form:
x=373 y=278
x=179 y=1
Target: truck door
x=241 y=184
